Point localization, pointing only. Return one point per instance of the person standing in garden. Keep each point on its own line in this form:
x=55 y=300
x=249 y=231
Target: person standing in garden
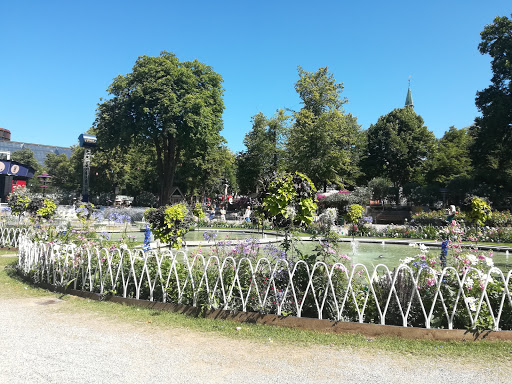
x=451 y=214
x=222 y=213
x=247 y=214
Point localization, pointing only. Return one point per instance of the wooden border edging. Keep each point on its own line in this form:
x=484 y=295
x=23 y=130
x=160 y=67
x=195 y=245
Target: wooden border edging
x=325 y=326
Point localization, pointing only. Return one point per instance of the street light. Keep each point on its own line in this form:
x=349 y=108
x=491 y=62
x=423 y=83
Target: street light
x=45 y=179
x=87 y=142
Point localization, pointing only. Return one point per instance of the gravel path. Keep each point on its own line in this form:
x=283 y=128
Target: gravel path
x=39 y=343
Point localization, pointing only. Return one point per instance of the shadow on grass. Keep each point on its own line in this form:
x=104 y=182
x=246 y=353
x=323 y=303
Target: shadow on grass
x=12 y=272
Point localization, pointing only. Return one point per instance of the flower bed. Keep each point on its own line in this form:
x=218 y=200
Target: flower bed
x=430 y=232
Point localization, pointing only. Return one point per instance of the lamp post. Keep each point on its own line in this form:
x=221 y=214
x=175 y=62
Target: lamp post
x=87 y=142
x=44 y=179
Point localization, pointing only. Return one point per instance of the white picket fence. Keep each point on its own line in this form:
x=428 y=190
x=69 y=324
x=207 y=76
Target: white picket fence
x=277 y=286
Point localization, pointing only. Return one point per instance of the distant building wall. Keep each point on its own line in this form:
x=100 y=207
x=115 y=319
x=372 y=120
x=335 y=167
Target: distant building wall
x=40 y=150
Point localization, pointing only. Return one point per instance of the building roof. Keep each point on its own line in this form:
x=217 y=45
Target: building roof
x=408 y=99
x=40 y=150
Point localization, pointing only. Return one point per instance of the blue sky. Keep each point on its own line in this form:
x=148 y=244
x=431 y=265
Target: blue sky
x=58 y=57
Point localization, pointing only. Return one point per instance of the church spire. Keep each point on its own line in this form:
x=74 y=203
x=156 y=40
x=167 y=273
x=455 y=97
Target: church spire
x=408 y=99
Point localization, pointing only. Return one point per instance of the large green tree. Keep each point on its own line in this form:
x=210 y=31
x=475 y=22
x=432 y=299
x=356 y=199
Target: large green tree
x=253 y=163
x=322 y=140
x=207 y=174
x=264 y=153
x=492 y=149
x=451 y=158
x=66 y=176
x=175 y=107
x=398 y=146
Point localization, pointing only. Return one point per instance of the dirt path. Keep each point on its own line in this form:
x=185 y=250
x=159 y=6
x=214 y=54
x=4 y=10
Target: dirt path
x=40 y=343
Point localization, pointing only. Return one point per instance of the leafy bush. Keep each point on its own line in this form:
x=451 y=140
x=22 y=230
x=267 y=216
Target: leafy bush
x=169 y=224
x=198 y=211
x=34 y=205
x=500 y=219
x=436 y=218
x=47 y=210
x=289 y=199
x=354 y=214
x=479 y=211
x=18 y=201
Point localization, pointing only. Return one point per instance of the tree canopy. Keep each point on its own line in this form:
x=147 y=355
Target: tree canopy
x=174 y=107
x=265 y=150
x=398 y=146
x=65 y=176
x=451 y=158
x=492 y=149
x=322 y=140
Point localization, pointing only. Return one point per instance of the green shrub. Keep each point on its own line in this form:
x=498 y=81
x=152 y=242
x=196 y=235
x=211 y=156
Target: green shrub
x=18 y=201
x=169 y=224
x=354 y=214
x=289 y=199
x=479 y=211
x=198 y=211
x=47 y=210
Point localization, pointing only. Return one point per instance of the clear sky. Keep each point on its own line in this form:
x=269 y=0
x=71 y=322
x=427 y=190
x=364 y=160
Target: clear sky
x=58 y=57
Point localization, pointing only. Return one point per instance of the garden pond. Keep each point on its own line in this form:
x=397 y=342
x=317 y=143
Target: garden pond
x=369 y=254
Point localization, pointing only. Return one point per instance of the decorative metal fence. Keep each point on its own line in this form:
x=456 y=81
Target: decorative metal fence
x=10 y=236
x=404 y=296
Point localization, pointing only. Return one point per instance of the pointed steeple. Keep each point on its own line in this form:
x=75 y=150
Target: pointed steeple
x=408 y=99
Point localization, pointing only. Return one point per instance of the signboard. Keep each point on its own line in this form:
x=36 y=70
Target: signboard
x=13 y=168
x=87 y=141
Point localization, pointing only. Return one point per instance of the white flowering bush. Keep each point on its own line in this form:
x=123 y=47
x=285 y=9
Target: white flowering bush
x=467 y=282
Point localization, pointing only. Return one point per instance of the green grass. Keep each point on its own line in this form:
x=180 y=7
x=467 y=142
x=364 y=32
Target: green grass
x=11 y=286
x=481 y=352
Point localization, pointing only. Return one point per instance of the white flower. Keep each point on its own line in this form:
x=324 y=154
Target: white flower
x=471 y=301
x=489 y=262
x=469 y=283
x=485 y=277
x=472 y=259
x=407 y=260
